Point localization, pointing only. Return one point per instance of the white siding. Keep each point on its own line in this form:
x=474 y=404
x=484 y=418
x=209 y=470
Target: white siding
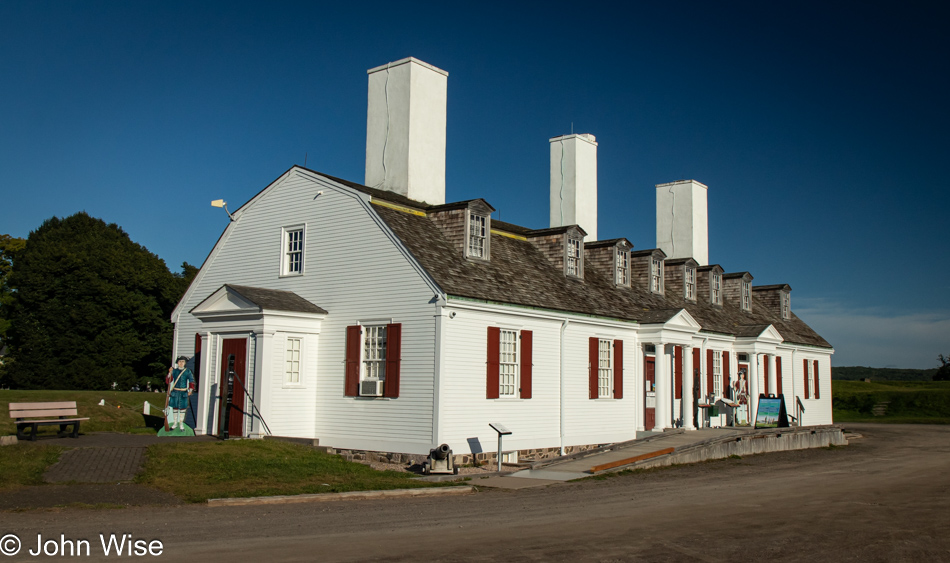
x=534 y=422
x=355 y=271
x=817 y=411
x=291 y=411
x=598 y=421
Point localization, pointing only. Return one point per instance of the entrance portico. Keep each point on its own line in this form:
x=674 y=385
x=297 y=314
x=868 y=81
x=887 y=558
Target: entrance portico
x=672 y=354
x=246 y=329
x=760 y=351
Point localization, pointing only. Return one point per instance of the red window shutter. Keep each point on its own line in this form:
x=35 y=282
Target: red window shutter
x=678 y=372
x=494 y=351
x=526 y=345
x=393 y=360
x=618 y=369
x=817 y=387
x=765 y=372
x=725 y=373
x=709 y=372
x=805 y=376
x=592 y=356
x=351 y=387
x=778 y=375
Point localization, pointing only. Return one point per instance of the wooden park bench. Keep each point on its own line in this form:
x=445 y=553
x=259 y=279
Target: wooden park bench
x=65 y=411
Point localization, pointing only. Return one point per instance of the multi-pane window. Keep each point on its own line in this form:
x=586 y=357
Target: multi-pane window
x=605 y=368
x=374 y=352
x=573 y=263
x=717 y=374
x=292 y=359
x=508 y=364
x=691 y=283
x=293 y=251
x=786 y=306
x=717 y=289
x=656 y=272
x=809 y=380
x=746 y=296
x=623 y=267
x=477 y=235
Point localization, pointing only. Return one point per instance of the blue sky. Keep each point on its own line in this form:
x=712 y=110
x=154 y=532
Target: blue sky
x=821 y=130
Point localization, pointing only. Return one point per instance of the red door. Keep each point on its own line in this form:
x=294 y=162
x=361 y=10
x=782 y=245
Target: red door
x=233 y=355
x=649 y=410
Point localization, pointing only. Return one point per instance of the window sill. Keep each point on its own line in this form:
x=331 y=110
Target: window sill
x=293 y=386
x=369 y=398
x=509 y=400
x=300 y=275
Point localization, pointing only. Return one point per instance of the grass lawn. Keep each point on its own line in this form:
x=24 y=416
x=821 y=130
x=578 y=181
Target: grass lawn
x=24 y=464
x=909 y=402
x=121 y=413
x=196 y=472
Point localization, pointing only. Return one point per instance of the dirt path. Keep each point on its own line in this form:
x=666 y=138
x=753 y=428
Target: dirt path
x=884 y=498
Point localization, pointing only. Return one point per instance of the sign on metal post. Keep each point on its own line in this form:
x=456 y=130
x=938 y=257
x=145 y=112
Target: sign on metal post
x=502 y=431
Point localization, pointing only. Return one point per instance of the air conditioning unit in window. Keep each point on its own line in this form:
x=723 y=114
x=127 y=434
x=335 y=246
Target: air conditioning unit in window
x=371 y=388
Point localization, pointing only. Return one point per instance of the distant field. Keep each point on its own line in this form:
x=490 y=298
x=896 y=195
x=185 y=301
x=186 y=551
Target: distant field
x=857 y=373
x=108 y=418
x=925 y=402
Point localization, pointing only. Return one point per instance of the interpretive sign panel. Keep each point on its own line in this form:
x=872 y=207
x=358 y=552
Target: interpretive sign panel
x=771 y=412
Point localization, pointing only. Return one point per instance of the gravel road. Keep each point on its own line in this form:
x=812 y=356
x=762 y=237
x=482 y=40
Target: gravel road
x=886 y=497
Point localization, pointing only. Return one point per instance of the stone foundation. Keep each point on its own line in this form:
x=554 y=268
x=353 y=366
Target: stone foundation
x=483 y=458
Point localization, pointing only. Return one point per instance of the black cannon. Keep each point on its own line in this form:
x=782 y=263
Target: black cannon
x=440 y=461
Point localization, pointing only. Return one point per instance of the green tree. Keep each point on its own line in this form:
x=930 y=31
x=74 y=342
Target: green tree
x=943 y=372
x=9 y=246
x=90 y=308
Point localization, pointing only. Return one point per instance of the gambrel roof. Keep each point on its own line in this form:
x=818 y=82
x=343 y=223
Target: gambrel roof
x=519 y=274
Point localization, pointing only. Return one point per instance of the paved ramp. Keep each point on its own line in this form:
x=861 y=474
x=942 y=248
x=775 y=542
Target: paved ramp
x=677 y=446
x=638 y=450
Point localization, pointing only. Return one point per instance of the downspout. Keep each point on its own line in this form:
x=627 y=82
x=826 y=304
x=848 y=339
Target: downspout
x=437 y=371
x=561 y=413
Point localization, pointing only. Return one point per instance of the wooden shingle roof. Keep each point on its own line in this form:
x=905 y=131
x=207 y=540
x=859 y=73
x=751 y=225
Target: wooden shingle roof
x=519 y=274
x=276 y=299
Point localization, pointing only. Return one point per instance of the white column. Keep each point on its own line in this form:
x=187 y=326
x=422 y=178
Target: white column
x=205 y=419
x=640 y=396
x=688 y=398
x=662 y=378
x=773 y=377
x=263 y=348
x=753 y=387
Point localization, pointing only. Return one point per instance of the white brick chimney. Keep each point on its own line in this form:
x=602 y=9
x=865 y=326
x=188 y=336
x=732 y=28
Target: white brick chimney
x=682 y=228
x=574 y=182
x=405 y=130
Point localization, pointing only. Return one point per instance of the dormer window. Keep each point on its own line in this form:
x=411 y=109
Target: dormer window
x=622 y=267
x=477 y=232
x=690 y=280
x=786 y=305
x=656 y=276
x=746 y=296
x=572 y=261
x=716 y=288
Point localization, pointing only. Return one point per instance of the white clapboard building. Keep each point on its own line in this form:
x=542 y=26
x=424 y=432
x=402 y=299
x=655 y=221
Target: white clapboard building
x=384 y=319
